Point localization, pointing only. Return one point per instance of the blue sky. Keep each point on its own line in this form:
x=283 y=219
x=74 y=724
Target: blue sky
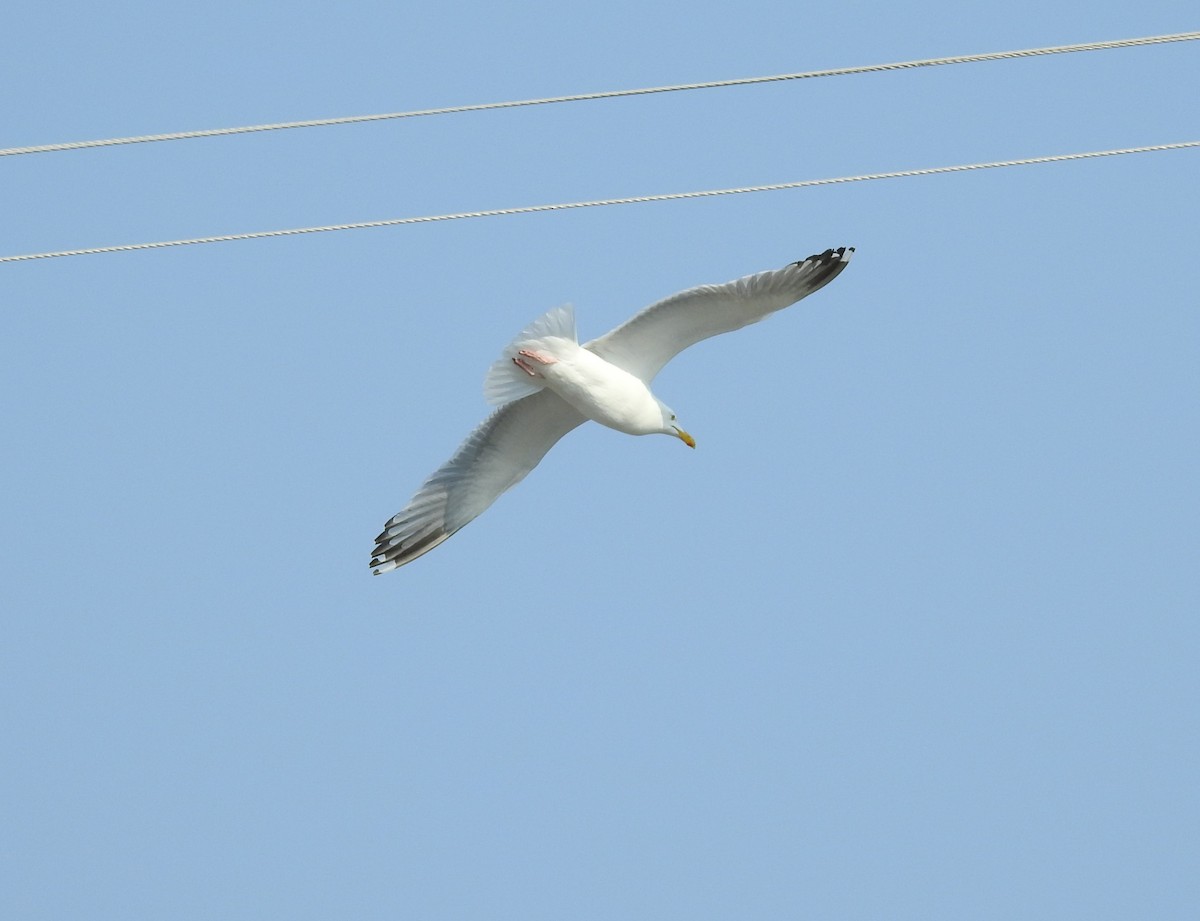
x=911 y=634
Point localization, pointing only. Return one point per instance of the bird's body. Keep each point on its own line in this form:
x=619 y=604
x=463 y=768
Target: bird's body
x=597 y=389
x=546 y=384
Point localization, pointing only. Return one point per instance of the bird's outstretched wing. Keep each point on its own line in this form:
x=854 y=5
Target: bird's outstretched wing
x=496 y=456
x=643 y=344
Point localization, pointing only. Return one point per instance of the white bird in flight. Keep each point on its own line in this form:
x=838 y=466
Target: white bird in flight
x=546 y=384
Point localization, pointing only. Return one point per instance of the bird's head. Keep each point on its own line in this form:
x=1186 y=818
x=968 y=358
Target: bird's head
x=671 y=427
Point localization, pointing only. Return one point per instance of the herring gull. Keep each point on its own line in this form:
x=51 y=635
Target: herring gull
x=545 y=384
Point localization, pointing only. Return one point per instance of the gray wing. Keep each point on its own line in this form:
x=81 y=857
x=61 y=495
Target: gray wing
x=495 y=457
x=645 y=343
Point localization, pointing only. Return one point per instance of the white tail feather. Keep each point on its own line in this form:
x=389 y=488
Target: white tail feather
x=505 y=381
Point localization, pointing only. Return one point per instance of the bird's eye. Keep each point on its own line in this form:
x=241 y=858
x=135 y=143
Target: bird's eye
x=672 y=417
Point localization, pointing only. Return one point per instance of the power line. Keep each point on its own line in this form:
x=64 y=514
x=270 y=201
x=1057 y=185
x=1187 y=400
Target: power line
x=639 y=199
x=611 y=94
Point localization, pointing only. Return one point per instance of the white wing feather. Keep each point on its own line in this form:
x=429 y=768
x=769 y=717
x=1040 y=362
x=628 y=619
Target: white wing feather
x=643 y=344
x=495 y=457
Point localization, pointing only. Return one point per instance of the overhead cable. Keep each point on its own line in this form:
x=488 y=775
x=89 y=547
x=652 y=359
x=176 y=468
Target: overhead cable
x=639 y=199
x=610 y=94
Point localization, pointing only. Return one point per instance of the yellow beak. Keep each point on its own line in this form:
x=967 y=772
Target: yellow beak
x=684 y=437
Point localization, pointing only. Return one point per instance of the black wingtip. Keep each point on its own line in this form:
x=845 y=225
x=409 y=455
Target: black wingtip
x=822 y=268
x=842 y=254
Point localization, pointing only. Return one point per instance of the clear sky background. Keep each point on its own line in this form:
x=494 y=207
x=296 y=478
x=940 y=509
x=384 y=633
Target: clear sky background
x=912 y=634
